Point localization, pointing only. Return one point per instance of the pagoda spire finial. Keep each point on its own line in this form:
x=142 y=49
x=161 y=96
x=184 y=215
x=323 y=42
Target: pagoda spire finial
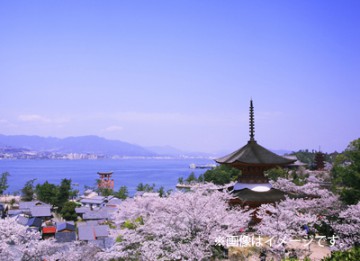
x=252 y=122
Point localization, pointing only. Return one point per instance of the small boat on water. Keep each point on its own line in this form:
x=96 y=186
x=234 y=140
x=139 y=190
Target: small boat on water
x=206 y=166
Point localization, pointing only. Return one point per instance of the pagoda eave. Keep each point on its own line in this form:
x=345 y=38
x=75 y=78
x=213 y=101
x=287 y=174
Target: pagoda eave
x=239 y=164
x=105 y=173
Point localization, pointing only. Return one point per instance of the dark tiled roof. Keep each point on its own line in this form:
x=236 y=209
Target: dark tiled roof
x=96 y=215
x=34 y=222
x=65 y=236
x=65 y=226
x=22 y=220
x=14 y=212
x=270 y=196
x=81 y=210
x=30 y=204
x=40 y=212
x=254 y=154
x=93 y=232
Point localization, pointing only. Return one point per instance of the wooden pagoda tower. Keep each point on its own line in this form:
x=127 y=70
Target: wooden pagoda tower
x=252 y=187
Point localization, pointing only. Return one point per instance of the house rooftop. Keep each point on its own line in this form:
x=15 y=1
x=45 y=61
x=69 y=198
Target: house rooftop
x=49 y=230
x=22 y=220
x=96 y=215
x=65 y=236
x=65 y=226
x=34 y=222
x=40 y=212
x=30 y=204
x=93 y=232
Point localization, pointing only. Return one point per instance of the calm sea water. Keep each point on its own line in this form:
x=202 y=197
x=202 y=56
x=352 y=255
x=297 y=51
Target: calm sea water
x=127 y=172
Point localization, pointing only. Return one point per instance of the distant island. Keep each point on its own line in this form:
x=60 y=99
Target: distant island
x=82 y=147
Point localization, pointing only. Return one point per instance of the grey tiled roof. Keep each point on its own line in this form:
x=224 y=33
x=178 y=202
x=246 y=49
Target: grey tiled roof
x=14 y=212
x=86 y=233
x=297 y=162
x=22 y=220
x=91 y=201
x=103 y=242
x=95 y=215
x=30 y=204
x=102 y=230
x=65 y=236
x=40 y=212
x=34 y=222
x=65 y=226
x=81 y=210
x=93 y=232
x=114 y=201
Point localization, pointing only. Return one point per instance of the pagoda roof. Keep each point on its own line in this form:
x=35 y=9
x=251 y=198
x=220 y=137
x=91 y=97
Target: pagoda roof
x=270 y=196
x=255 y=198
x=105 y=172
x=254 y=154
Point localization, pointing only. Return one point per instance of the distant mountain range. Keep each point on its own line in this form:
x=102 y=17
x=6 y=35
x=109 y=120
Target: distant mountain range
x=97 y=145
x=82 y=144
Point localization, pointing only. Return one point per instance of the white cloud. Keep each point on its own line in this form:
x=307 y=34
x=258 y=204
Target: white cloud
x=33 y=118
x=113 y=128
x=40 y=118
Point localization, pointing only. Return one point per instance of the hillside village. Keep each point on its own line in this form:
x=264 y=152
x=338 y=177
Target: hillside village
x=94 y=215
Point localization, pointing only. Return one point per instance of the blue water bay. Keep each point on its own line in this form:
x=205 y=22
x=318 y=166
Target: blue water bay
x=127 y=172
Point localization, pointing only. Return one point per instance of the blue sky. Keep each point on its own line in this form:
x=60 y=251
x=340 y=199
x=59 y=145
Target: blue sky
x=182 y=73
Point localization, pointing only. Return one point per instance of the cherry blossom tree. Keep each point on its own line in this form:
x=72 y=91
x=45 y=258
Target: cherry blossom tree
x=347 y=229
x=18 y=242
x=319 y=201
x=285 y=220
x=316 y=209
x=182 y=226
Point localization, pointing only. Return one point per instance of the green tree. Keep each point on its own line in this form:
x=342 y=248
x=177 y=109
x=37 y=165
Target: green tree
x=56 y=195
x=47 y=192
x=221 y=175
x=276 y=173
x=346 y=173
x=201 y=178
x=27 y=192
x=4 y=182
x=123 y=193
x=68 y=211
x=352 y=254
x=161 y=191
x=64 y=193
x=105 y=191
x=140 y=187
x=191 y=178
x=145 y=187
